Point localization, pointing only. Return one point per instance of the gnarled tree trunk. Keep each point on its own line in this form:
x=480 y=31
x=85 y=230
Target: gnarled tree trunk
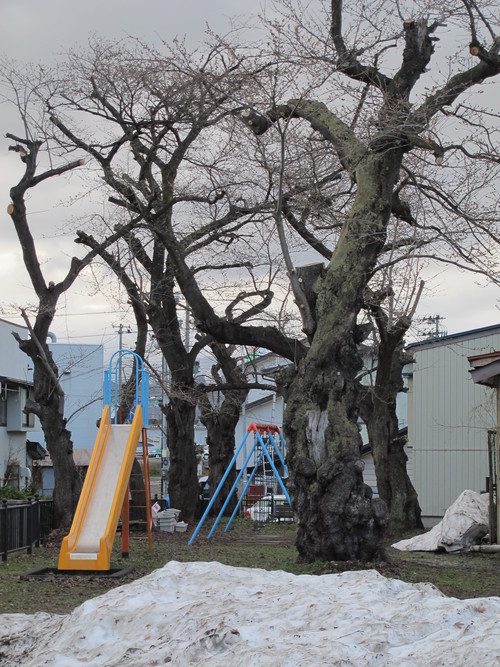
x=48 y=403
x=220 y=425
x=337 y=517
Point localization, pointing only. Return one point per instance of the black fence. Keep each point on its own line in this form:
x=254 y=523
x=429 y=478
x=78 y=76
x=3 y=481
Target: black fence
x=23 y=523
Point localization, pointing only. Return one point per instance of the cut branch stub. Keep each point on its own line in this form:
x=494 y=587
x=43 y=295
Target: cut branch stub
x=308 y=276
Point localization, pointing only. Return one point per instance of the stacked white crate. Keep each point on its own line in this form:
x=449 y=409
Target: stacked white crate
x=167 y=520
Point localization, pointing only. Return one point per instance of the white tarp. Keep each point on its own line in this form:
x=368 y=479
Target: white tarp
x=214 y=615
x=464 y=524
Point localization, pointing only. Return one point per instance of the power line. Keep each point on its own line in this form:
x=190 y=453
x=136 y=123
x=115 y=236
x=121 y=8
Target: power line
x=101 y=312
x=99 y=335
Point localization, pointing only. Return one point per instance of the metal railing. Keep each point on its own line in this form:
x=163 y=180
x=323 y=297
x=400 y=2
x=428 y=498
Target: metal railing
x=19 y=525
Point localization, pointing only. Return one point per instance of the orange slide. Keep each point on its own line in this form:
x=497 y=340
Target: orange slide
x=89 y=543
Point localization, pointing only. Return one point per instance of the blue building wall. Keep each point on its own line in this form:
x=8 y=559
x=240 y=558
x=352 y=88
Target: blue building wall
x=81 y=373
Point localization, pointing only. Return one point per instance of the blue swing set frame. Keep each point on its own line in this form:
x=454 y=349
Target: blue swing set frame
x=269 y=430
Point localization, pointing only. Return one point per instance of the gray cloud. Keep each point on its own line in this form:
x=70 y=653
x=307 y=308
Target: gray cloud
x=34 y=30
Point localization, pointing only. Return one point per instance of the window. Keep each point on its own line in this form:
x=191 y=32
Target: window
x=28 y=420
x=15 y=396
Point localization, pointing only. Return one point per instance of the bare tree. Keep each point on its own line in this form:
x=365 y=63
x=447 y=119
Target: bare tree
x=309 y=213
x=48 y=399
x=378 y=409
x=156 y=119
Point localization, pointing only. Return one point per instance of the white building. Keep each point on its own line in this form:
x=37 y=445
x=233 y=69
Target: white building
x=15 y=386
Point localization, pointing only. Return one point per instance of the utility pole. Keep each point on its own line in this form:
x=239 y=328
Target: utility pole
x=435 y=321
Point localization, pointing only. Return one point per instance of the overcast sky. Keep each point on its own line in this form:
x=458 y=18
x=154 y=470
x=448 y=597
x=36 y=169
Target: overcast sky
x=35 y=30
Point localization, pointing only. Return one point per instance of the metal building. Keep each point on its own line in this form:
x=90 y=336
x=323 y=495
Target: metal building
x=448 y=419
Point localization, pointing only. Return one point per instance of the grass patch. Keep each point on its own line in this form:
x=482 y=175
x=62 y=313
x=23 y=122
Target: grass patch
x=154 y=467
x=270 y=547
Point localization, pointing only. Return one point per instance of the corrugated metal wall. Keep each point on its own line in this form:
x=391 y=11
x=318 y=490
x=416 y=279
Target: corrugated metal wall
x=369 y=476
x=369 y=473
x=449 y=417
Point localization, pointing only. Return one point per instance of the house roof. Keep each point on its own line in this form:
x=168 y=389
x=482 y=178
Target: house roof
x=81 y=457
x=445 y=340
x=477 y=360
x=260 y=401
x=13 y=324
x=35 y=450
x=16 y=381
x=485 y=368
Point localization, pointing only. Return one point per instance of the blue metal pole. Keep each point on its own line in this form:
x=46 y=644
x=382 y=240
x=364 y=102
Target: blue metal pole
x=141 y=376
x=107 y=388
x=114 y=401
x=240 y=500
x=221 y=483
x=284 y=452
x=278 y=477
x=276 y=449
x=232 y=490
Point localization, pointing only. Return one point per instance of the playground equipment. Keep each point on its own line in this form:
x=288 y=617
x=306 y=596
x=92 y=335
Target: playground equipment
x=260 y=452
x=105 y=493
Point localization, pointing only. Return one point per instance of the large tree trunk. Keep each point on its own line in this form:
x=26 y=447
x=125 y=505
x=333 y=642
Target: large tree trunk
x=48 y=403
x=337 y=517
x=393 y=483
x=221 y=424
x=67 y=479
x=182 y=476
x=183 y=487
x=49 y=408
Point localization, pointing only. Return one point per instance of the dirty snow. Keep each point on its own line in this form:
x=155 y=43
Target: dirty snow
x=211 y=614
x=464 y=523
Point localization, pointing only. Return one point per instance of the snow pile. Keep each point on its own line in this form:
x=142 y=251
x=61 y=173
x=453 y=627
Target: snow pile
x=211 y=614
x=463 y=524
